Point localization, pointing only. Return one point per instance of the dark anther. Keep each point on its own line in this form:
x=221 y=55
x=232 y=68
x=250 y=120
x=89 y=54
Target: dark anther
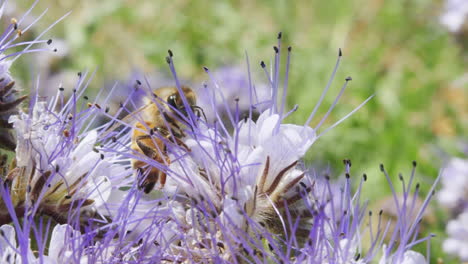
x=159 y=203
x=138 y=82
x=55 y=50
x=205 y=68
x=102 y=156
x=380 y=212
x=370 y=213
x=364 y=176
x=280 y=34
x=86 y=97
x=270 y=247
x=29 y=189
x=168 y=60
x=339 y=52
x=170 y=53
x=358 y=256
x=245 y=251
x=382 y=168
x=61 y=89
x=79 y=74
x=400 y=176
x=276 y=49
x=327 y=177
x=57 y=168
x=213 y=214
x=74 y=90
x=347 y=175
x=107 y=109
x=303 y=184
x=262 y=63
x=289 y=48
x=417 y=186
x=121 y=105
x=220 y=245
x=348 y=78
x=49 y=42
x=414 y=163
x=151 y=132
x=114 y=139
x=67 y=197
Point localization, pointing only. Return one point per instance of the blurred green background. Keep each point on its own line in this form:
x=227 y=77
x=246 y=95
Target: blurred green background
x=396 y=50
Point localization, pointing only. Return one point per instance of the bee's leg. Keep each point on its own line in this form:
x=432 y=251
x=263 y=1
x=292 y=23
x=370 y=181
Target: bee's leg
x=163 y=175
x=151 y=174
x=174 y=137
x=145 y=143
x=147 y=176
x=173 y=124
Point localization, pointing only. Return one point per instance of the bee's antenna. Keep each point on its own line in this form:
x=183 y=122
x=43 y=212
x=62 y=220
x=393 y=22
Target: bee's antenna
x=198 y=109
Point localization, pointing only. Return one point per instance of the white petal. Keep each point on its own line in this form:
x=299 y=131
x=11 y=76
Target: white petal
x=266 y=128
x=99 y=190
x=86 y=145
x=80 y=168
x=7 y=241
x=230 y=215
x=60 y=242
x=57 y=241
x=413 y=257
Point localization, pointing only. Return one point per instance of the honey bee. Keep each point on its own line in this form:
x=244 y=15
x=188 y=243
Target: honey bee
x=163 y=120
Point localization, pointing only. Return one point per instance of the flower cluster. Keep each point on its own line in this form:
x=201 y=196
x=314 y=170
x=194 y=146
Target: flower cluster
x=235 y=187
x=454 y=197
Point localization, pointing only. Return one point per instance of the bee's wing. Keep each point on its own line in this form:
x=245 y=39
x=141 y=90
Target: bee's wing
x=129 y=120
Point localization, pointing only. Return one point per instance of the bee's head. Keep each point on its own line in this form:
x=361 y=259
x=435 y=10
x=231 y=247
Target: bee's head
x=176 y=102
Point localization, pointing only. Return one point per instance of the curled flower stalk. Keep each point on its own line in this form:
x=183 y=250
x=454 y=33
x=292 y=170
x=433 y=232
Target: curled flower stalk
x=12 y=38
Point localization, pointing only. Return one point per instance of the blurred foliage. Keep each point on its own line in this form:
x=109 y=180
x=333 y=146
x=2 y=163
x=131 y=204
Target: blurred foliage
x=394 y=49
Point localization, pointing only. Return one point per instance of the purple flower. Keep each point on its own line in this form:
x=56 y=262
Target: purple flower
x=230 y=90
x=236 y=188
x=457 y=243
x=9 y=99
x=453 y=196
